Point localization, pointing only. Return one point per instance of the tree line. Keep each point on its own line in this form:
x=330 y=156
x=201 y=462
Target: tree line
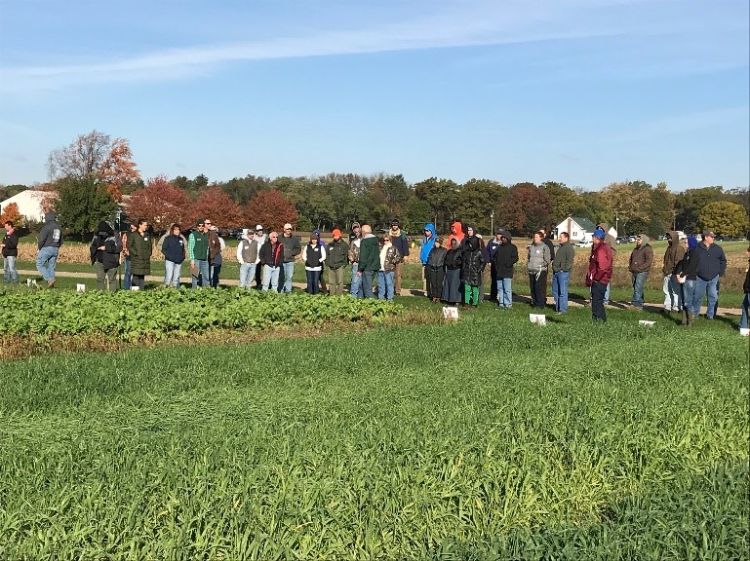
x=95 y=174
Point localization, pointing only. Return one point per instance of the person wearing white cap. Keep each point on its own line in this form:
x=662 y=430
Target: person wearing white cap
x=260 y=238
x=292 y=248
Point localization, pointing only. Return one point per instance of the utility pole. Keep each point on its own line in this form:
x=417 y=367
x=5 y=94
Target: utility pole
x=492 y=223
x=617 y=225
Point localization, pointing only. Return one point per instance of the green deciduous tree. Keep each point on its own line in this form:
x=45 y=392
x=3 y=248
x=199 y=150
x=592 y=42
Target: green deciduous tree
x=82 y=202
x=725 y=218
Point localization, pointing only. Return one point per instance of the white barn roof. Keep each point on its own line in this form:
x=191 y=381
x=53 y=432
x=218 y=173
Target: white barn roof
x=29 y=202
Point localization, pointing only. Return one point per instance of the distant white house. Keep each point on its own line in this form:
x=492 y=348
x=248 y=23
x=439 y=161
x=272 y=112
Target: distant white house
x=30 y=203
x=578 y=228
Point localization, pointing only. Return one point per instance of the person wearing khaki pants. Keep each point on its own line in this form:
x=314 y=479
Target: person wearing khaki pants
x=401 y=243
x=337 y=257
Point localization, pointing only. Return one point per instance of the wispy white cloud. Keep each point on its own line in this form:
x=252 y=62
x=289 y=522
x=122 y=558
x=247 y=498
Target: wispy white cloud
x=465 y=24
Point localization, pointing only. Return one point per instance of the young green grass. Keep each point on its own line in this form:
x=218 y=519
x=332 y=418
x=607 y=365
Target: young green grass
x=489 y=438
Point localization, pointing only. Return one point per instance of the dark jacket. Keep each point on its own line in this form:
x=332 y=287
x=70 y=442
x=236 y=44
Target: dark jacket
x=688 y=266
x=10 y=244
x=214 y=245
x=564 y=258
x=551 y=246
x=139 y=247
x=174 y=248
x=105 y=237
x=401 y=243
x=436 y=260
x=369 y=254
x=453 y=259
x=711 y=261
x=472 y=261
x=506 y=257
x=492 y=246
x=51 y=233
x=642 y=257
x=292 y=248
x=600 y=264
x=337 y=254
x=271 y=255
x=746 y=284
x=674 y=254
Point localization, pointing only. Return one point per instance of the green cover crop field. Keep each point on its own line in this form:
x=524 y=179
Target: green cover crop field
x=489 y=438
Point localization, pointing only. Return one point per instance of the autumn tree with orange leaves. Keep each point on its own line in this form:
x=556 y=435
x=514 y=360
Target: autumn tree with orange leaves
x=161 y=203
x=10 y=213
x=216 y=205
x=271 y=209
x=95 y=154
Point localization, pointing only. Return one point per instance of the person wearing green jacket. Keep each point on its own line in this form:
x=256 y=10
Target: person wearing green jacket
x=562 y=265
x=139 y=248
x=198 y=254
x=337 y=257
x=369 y=260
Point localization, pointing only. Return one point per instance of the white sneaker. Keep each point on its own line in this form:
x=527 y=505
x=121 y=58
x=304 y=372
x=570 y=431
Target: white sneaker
x=745 y=332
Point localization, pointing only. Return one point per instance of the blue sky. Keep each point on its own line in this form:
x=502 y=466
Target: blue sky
x=582 y=91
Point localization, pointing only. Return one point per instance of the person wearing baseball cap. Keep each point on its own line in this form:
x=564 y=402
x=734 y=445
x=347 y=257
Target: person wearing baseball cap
x=337 y=257
x=355 y=238
x=292 y=248
x=401 y=243
x=712 y=264
x=599 y=274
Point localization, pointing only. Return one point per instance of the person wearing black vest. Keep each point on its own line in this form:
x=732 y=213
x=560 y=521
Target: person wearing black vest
x=313 y=255
x=105 y=251
x=271 y=258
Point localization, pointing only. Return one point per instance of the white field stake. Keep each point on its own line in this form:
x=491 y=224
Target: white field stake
x=450 y=312
x=539 y=319
x=646 y=323
x=80 y=288
x=135 y=288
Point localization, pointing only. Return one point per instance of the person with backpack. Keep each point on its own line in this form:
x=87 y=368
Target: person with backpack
x=174 y=249
x=49 y=241
x=10 y=253
x=337 y=257
x=105 y=251
x=140 y=248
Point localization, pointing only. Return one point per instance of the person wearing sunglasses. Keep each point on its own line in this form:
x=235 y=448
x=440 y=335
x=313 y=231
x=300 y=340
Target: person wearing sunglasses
x=198 y=253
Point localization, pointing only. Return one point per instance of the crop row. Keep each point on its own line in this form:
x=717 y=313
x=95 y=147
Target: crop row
x=158 y=313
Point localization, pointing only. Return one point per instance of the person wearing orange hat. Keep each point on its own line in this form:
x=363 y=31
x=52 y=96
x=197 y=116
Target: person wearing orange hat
x=337 y=257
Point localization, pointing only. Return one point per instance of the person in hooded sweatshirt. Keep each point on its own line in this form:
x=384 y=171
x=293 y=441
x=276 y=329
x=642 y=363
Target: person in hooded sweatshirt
x=174 y=249
x=428 y=242
x=599 y=274
x=641 y=259
x=105 y=251
x=436 y=270
x=472 y=267
x=673 y=255
x=539 y=259
x=505 y=259
x=457 y=233
x=686 y=273
x=48 y=242
x=452 y=280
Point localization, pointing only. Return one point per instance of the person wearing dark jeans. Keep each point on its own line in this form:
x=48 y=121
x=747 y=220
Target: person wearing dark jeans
x=539 y=260
x=599 y=274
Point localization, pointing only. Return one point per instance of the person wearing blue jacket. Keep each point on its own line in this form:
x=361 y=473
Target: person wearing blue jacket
x=428 y=242
x=174 y=249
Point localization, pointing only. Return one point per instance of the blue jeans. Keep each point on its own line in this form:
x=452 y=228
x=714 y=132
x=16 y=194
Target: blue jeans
x=367 y=280
x=606 y=296
x=639 y=281
x=271 y=277
x=671 y=289
x=688 y=297
x=745 y=318
x=560 y=282
x=288 y=275
x=203 y=273
x=10 y=274
x=356 y=287
x=313 y=281
x=127 y=277
x=703 y=286
x=385 y=285
x=215 y=272
x=172 y=273
x=247 y=274
x=504 y=292
x=46 y=261
x=598 y=291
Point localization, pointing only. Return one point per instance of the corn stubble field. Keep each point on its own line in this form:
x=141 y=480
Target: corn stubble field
x=485 y=439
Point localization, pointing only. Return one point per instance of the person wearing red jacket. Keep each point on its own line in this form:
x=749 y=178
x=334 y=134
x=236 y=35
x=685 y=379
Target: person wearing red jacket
x=599 y=274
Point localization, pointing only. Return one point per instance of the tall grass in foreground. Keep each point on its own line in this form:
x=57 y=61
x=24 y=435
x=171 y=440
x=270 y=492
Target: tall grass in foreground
x=488 y=439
